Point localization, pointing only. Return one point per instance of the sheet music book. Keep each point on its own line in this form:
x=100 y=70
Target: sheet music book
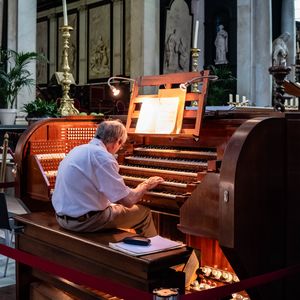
x=158 y=244
x=161 y=114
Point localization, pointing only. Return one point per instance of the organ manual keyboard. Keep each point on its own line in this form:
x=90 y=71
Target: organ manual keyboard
x=230 y=180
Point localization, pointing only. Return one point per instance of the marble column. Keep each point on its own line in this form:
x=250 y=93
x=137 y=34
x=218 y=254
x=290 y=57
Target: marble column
x=118 y=37
x=144 y=29
x=288 y=25
x=12 y=24
x=26 y=42
x=82 y=51
x=245 y=53
x=254 y=51
x=262 y=52
x=1 y=20
x=52 y=41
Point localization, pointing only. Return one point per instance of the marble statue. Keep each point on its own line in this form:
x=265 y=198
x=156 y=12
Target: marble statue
x=171 y=49
x=221 y=43
x=280 y=50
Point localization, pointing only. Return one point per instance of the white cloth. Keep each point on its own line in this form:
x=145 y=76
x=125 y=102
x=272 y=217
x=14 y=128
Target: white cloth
x=88 y=179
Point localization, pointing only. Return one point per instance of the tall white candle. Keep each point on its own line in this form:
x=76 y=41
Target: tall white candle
x=286 y=102
x=196 y=35
x=230 y=98
x=237 y=98
x=64 y=2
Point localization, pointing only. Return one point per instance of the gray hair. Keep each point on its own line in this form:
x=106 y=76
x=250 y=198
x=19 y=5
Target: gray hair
x=111 y=131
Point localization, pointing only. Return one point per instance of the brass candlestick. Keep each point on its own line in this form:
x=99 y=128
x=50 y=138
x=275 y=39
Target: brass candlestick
x=195 y=56
x=67 y=104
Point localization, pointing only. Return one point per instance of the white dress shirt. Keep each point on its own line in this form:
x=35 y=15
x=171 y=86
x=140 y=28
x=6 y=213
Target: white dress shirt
x=88 y=179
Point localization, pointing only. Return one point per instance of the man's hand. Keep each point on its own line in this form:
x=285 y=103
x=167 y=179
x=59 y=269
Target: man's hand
x=152 y=182
x=136 y=194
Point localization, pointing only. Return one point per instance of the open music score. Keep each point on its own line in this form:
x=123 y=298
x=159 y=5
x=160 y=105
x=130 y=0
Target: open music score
x=188 y=123
x=162 y=114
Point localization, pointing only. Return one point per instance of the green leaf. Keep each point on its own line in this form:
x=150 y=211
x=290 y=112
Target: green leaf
x=219 y=90
x=41 y=108
x=14 y=74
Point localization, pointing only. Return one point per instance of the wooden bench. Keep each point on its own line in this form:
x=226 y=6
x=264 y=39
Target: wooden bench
x=90 y=253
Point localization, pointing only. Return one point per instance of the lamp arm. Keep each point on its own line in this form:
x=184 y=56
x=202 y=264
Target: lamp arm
x=113 y=88
x=184 y=86
x=120 y=78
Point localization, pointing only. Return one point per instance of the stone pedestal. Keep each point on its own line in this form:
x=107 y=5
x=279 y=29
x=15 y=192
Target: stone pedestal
x=279 y=73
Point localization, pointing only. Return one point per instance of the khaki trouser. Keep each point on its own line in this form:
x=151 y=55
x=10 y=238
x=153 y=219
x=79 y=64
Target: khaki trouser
x=137 y=217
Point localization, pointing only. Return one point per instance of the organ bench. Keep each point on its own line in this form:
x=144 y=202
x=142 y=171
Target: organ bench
x=89 y=253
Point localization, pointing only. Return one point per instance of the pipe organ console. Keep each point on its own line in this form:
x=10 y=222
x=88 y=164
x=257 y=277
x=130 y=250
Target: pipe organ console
x=39 y=152
x=230 y=182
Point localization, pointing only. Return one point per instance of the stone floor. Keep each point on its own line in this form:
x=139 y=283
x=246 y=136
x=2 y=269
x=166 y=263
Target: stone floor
x=10 y=276
x=7 y=284
x=8 y=293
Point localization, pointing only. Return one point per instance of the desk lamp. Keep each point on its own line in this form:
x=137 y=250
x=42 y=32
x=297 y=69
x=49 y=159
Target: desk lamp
x=116 y=91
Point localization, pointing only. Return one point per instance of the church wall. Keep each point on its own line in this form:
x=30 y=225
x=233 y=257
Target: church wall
x=82 y=12
x=138 y=35
x=138 y=38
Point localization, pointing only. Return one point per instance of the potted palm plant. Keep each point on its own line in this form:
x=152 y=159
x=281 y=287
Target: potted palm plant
x=14 y=75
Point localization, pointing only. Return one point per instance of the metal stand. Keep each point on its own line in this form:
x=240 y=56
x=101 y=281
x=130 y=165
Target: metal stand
x=195 y=56
x=279 y=73
x=67 y=104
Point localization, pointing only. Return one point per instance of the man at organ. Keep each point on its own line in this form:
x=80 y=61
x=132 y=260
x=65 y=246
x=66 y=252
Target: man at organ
x=91 y=195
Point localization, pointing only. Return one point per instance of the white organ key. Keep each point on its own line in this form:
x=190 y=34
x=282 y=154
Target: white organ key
x=161 y=160
x=191 y=174
x=166 y=183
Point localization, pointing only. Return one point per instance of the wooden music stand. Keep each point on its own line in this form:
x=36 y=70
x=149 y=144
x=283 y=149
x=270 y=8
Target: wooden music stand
x=190 y=116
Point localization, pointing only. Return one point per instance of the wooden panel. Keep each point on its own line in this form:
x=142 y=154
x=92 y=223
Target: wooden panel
x=38 y=186
x=292 y=216
x=204 y=202
x=252 y=201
